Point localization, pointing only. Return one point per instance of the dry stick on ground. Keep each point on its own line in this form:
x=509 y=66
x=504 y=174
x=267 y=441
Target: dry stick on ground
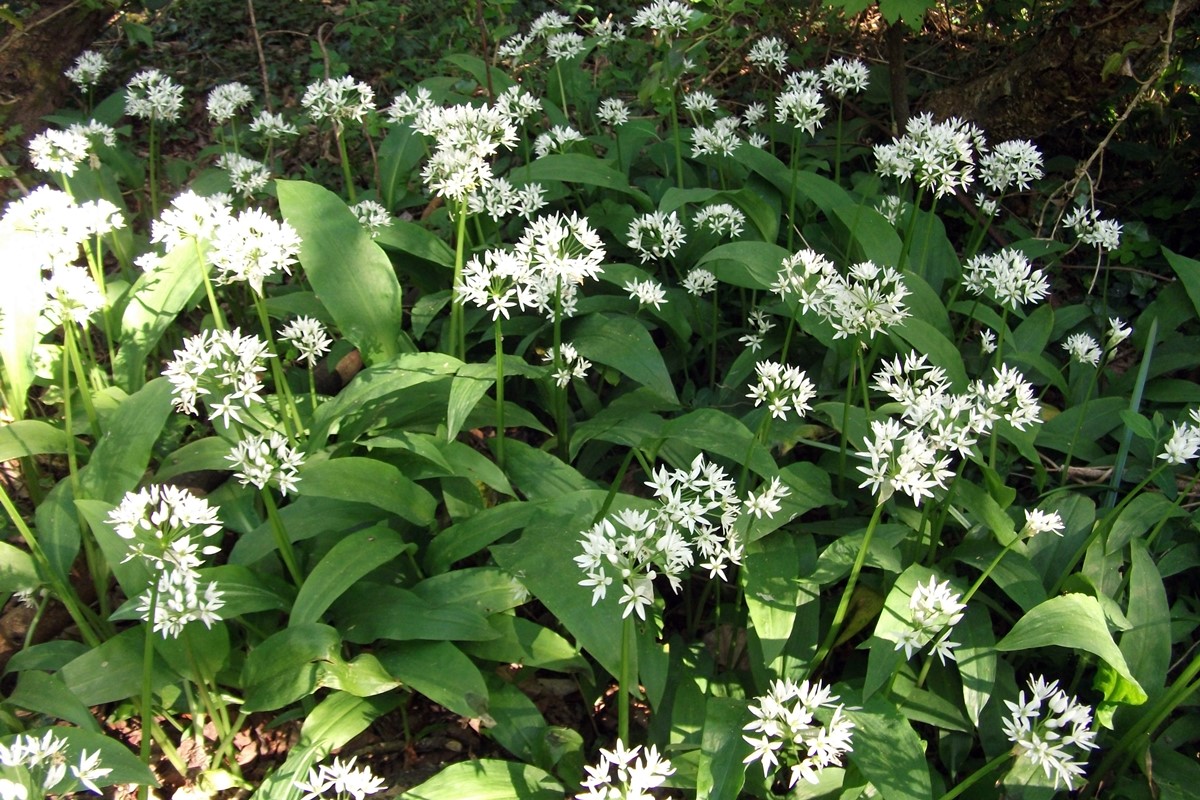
x=262 y=58
x=1060 y=196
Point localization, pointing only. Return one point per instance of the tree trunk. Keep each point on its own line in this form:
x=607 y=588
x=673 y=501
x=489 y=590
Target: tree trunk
x=33 y=58
x=1058 y=80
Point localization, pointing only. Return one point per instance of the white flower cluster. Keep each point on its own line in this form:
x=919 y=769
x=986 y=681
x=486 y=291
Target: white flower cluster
x=1007 y=277
x=72 y=295
x=1184 y=444
x=647 y=292
x=699 y=282
x=628 y=774
x=1016 y=162
x=571 y=364
x=1083 y=348
x=938 y=156
x=1104 y=234
x=843 y=76
x=466 y=137
x=555 y=140
x=223 y=368
x=87 y=69
x=191 y=216
x=59 y=151
x=564 y=45
x=246 y=175
x=699 y=101
x=800 y=105
x=607 y=31
x=789 y=733
x=903 y=459
x=338 y=100
x=549 y=26
x=656 y=235
x=759 y=326
x=784 y=388
x=768 y=53
x=554 y=256
x=252 y=248
x=613 y=111
x=500 y=198
x=693 y=521
x=342 y=778
x=44 y=762
x=153 y=95
x=372 y=215
x=272 y=126
x=933 y=611
x=665 y=17
x=719 y=139
x=1053 y=737
x=517 y=104
x=59 y=225
x=1038 y=521
x=226 y=100
x=308 y=336
x=263 y=461
x=861 y=304
x=161 y=521
x=722 y=219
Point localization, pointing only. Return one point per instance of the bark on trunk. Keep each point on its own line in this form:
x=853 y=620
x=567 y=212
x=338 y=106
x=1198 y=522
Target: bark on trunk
x=1059 y=79
x=32 y=60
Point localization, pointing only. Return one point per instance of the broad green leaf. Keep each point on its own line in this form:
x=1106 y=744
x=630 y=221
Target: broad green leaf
x=121 y=456
x=52 y=656
x=488 y=779
x=362 y=676
x=17 y=570
x=372 y=387
x=871 y=235
x=1015 y=576
x=475 y=533
x=753 y=265
x=821 y=191
x=411 y=238
x=20 y=306
x=976 y=656
x=1078 y=428
x=304 y=518
x=931 y=255
x=30 y=437
x=114 y=754
x=112 y=671
x=622 y=343
x=349 y=272
x=520 y=641
x=441 y=672
x=1147 y=644
x=368 y=612
x=198 y=653
x=368 y=480
x=1069 y=620
x=467 y=462
x=346 y=562
x=469 y=385
x=888 y=751
x=716 y=432
x=488 y=76
x=771 y=591
x=578 y=168
x=47 y=694
x=208 y=453
x=399 y=153
x=1136 y=518
x=285 y=666
x=1188 y=271
x=721 y=772
x=520 y=727
x=155 y=300
x=540 y=475
x=932 y=343
x=895 y=620
x=485 y=590
x=57 y=527
x=335 y=721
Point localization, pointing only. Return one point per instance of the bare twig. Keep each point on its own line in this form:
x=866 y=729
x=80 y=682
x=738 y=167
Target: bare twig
x=262 y=59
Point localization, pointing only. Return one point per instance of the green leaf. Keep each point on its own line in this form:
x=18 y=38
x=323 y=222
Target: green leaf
x=520 y=727
x=488 y=779
x=469 y=385
x=368 y=480
x=1070 y=620
x=1136 y=518
x=114 y=754
x=622 y=343
x=349 y=272
x=753 y=265
x=873 y=237
x=718 y=433
x=362 y=676
x=1147 y=644
x=1188 y=271
x=155 y=300
x=485 y=590
x=540 y=475
x=121 y=456
x=441 y=672
x=48 y=694
x=284 y=667
x=368 y=612
x=345 y=563
x=475 y=533
x=888 y=751
x=17 y=570
x=30 y=437
x=976 y=657
x=721 y=772
x=208 y=453
x=414 y=240
x=399 y=153
x=578 y=168
x=929 y=341
x=112 y=671
x=771 y=591
x=821 y=191
x=20 y=306
x=520 y=641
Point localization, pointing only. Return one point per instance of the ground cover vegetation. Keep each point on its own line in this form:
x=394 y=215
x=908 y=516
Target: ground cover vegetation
x=635 y=401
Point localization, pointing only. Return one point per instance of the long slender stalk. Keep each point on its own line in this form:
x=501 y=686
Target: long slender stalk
x=627 y=689
x=839 y=616
x=977 y=776
x=347 y=177
x=499 y=395
x=286 y=551
x=147 y=699
x=458 y=336
x=910 y=229
x=288 y=413
x=214 y=307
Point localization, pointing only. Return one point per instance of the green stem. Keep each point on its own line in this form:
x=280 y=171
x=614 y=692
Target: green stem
x=910 y=229
x=288 y=413
x=562 y=432
x=837 y=157
x=977 y=776
x=839 y=615
x=1066 y=467
x=153 y=168
x=214 y=307
x=347 y=178
x=627 y=689
x=147 y=709
x=499 y=395
x=791 y=218
x=562 y=91
x=458 y=336
x=286 y=551
x=678 y=147
x=85 y=395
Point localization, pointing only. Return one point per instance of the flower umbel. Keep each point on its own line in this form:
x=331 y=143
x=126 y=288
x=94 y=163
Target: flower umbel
x=789 y=733
x=1051 y=730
